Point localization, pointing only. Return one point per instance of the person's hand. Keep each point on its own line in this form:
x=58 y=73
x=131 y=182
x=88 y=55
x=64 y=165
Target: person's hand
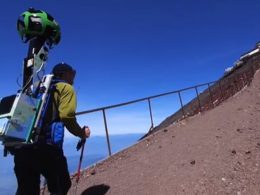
x=87 y=131
x=83 y=139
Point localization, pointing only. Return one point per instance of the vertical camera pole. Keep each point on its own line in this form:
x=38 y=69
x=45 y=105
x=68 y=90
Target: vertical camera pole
x=34 y=47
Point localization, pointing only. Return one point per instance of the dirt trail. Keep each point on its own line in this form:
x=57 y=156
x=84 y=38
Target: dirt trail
x=217 y=152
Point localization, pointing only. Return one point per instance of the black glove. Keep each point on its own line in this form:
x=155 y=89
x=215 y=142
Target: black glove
x=80 y=144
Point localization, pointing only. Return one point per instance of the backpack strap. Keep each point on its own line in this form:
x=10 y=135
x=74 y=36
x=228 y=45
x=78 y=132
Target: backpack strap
x=50 y=115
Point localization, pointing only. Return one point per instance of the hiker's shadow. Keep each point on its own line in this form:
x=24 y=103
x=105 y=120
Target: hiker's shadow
x=96 y=190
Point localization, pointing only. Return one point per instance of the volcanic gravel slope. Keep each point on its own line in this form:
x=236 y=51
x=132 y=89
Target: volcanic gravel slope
x=216 y=152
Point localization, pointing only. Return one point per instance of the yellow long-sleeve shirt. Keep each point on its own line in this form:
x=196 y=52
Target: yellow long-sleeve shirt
x=66 y=103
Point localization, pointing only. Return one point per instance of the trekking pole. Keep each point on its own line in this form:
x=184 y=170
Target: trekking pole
x=81 y=144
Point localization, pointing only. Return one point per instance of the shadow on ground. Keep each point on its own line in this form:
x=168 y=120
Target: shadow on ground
x=96 y=190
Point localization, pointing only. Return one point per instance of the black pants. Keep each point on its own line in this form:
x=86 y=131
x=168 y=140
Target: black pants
x=46 y=160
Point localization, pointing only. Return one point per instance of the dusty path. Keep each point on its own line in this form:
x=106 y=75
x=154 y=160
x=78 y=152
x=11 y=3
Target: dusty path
x=217 y=152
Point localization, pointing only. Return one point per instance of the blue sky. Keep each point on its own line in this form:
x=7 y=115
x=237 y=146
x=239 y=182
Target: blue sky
x=129 y=49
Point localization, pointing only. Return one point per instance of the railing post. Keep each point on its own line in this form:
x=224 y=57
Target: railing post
x=210 y=94
x=231 y=87
x=183 y=113
x=241 y=81
x=221 y=92
x=247 y=77
x=151 y=114
x=253 y=72
x=196 y=88
x=107 y=135
x=235 y=83
x=244 y=79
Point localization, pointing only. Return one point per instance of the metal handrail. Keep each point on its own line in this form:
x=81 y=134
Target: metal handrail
x=243 y=78
x=141 y=99
x=148 y=99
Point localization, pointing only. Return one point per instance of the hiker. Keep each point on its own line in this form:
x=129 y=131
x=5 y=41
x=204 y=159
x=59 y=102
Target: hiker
x=46 y=155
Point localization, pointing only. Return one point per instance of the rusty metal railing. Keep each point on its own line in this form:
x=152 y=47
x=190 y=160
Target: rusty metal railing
x=215 y=93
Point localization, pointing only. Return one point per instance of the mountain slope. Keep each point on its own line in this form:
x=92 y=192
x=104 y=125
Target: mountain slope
x=218 y=92
x=217 y=152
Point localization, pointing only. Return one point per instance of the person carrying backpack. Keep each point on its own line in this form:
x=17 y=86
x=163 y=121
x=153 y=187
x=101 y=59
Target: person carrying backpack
x=46 y=157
